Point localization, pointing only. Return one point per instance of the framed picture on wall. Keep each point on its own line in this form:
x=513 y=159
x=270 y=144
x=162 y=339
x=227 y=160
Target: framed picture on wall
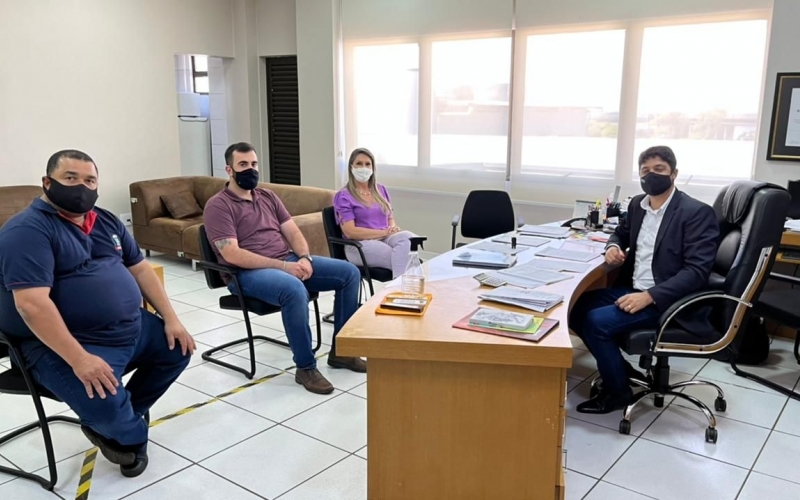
x=784 y=129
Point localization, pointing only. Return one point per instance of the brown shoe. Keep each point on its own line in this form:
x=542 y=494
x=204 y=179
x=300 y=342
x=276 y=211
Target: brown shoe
x=313 y=381
x=354 y=364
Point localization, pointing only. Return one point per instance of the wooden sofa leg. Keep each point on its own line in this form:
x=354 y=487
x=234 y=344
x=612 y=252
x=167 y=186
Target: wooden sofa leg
x=194 y=265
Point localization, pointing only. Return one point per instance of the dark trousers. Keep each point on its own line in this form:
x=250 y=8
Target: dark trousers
x=118 y=417
x=597 y=320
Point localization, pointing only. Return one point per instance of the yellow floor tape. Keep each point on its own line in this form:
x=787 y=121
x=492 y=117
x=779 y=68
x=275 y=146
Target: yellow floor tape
x=90 y=458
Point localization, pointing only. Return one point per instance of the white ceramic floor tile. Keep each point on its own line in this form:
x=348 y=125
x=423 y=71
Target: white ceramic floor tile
x=643 y=414
x=23 y=488
x=746 y=405
x=360 y=391
x=341 y=422
x=19 y=410
x=789 y=421
x=4 y=478
x=341 y=378
x=275 y=461
x=179 y=269
x=723 y=372
x=195 y=483
x=180 y=307
x=27 y=451
x=176 y=398
x=761 y=487
x=197 y=355
x=577 y=343
x=233 y=313
x=347 y=480
x=208 y=430
x=181 y=286
x=682 y=428
x=667 y=473
x=278 y=399
x=591 y=449
x=108 y=483
x=200 y=321
x=211 y=379
x=200 y=297
x=577 y=484
x=781 y=353
x=4 y=363
x=362 y=453
x=606 y=491
x=583 y=365
x=267 y=353
x=325 y=302
x=778 y=458
x=198 y=276
x=234 y=331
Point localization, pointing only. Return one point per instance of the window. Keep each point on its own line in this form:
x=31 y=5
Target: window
x=200 y=74
x=386 y=88
x=469 y=105
x=572 y=93
x=699 y=93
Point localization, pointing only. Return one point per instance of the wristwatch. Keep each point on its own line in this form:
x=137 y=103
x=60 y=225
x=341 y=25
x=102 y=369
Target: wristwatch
x=307 y=257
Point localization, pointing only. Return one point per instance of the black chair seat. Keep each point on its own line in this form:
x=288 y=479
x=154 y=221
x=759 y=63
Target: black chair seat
x=781 y=306
x=231 y=303
x=12 y=382
x=640 y=342
x=377 y=273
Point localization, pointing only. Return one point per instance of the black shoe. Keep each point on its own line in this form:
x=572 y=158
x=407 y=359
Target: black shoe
x=139 y=464
x=112 y=451
x=604 y=403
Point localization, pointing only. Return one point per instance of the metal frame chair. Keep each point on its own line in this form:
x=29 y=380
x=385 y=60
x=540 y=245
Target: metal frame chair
x=213 y=271
x=17 y=380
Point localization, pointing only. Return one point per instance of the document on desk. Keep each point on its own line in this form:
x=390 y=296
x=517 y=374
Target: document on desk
x=792 y=225
x=561 y=253
x=530 y=272
x=546 y=231
x=559 y=265
x=488 y=246
x=525 y=241
x=529 y=299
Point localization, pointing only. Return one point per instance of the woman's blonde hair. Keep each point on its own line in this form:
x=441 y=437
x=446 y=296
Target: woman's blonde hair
x=371 y=183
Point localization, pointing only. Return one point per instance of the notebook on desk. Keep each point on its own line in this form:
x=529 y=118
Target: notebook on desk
x=484 y=260
x=536 y=332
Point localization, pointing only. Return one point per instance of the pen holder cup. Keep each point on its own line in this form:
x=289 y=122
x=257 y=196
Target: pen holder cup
x=612 y=212
x=593 y=220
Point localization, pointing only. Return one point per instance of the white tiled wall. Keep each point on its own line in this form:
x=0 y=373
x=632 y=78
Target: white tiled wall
x=183 y=73
x=219 y=115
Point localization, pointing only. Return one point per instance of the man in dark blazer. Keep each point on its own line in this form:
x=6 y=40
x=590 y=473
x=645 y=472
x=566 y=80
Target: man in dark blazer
x=666 y=246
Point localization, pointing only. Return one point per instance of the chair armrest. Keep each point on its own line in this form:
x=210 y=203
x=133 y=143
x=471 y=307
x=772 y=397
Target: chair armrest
x=785 y=278
x=344 y=242
x=520 y=221
x=454 y=223
x=217 y=267
x=693 y=298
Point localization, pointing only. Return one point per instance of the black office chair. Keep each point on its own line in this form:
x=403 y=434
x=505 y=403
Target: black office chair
x=213 y=271
x=751 y=218
x=485 y=214
x=794 y=206
x=17 y=380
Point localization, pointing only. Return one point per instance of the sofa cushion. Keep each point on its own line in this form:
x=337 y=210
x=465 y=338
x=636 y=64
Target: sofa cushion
x=181 y=205
x=168 y=232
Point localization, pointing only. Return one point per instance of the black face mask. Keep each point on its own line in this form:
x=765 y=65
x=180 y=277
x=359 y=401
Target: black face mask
x=246 y=179
x=655 y=184
x=77 y=199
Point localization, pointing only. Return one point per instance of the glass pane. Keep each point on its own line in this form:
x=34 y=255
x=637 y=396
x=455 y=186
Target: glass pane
x=201 y=84
x=572 y=91
x=699 y=93
x=200 y=63
x=469 y=116
x=386 y=84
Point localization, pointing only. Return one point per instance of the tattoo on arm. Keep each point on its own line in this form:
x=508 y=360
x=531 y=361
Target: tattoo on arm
x=222 y=243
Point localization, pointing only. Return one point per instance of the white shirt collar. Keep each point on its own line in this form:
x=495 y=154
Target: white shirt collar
x=646 y=203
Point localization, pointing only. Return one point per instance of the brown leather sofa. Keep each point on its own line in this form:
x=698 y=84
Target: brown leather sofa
x=14 y=199
x=155 y=229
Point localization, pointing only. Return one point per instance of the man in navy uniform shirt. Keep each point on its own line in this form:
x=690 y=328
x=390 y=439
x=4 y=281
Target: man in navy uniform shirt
x=71 y=286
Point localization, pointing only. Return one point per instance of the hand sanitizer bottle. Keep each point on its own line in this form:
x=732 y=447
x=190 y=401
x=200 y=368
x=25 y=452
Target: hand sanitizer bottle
x=413 y=280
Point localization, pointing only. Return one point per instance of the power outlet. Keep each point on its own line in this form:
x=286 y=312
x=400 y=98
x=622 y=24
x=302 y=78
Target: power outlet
x=126 y=219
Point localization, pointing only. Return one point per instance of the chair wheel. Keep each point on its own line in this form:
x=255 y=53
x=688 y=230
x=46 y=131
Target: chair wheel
x=625 y=427
x=658 y=401
x=711 y=435
x=720 y=404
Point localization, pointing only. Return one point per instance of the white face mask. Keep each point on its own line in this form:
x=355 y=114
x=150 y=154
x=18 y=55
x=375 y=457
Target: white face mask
x=362 y=174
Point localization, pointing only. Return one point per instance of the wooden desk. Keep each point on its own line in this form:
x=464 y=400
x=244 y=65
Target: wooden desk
x=789 y=239
x=160 y=273
x=459 y=414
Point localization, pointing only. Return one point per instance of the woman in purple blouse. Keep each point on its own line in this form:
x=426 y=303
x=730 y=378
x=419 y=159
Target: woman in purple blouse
x=364 y=212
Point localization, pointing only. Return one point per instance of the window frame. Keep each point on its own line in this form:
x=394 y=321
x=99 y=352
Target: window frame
x=198 y=74
x=423 y=174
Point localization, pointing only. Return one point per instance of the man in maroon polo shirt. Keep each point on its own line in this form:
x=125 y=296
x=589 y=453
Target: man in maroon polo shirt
x=252 y=230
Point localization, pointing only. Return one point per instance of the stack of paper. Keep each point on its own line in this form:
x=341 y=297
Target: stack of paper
x=481 y=259
x=792 y=225
x=558 y=265
x=560 y=253
x=488 y=246
x=533 y=273
x=526 y=241
x=546 y=231
x=528 y=299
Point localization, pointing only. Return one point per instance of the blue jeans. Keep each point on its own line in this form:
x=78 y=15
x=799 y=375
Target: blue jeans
x=597 y=320
x=118 y=417
x=279 y=288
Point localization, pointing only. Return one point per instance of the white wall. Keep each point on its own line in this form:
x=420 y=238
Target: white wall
x=782 y=57
x=99 y=75
x=277 y=27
